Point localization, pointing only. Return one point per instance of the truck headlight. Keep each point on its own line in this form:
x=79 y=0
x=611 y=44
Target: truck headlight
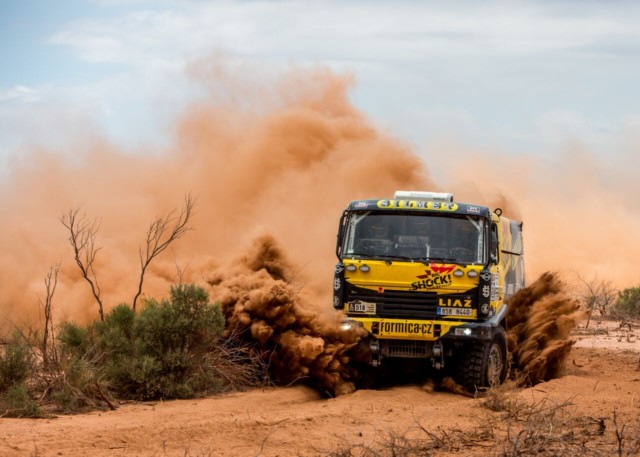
x=463 y=331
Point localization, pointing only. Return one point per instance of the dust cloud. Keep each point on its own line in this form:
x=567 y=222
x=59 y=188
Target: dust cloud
x=286 y=163
x=265 y=308
x=580 y=210
x=283 y=161
x=539 y=321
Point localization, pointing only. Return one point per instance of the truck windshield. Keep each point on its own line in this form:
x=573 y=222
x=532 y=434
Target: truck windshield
x=419 y=237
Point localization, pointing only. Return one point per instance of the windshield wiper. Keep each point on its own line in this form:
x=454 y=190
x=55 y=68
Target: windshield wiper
x=385 y=257
x=440 y=259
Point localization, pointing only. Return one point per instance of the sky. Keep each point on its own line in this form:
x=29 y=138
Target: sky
x=521 y=77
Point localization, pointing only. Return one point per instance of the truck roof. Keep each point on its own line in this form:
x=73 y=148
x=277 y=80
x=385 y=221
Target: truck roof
x=419 y=206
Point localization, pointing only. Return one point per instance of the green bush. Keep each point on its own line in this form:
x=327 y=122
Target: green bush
x=165 y=351
x=16 y=402
x=161 y=352
x=16 y=362
x=628 y=304
x=72 y=336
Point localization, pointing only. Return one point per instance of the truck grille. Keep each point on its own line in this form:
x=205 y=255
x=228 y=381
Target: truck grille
x=406 y=349
x=397 y=304
x=400 y=304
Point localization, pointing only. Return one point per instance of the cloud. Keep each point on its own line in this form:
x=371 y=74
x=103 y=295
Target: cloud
x=22 y=93
x=357 y=30
x=494 y=72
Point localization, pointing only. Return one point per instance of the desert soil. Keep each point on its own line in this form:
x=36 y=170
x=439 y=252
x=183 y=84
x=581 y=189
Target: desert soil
x=602 y=375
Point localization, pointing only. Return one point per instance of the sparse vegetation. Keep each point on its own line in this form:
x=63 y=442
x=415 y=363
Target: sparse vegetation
x=172 y=348
x=514 y=427
x=16 y=362
x=16 y=365
x=597 y=296
x=627 y=305
x=17 y=402
x=161 y=234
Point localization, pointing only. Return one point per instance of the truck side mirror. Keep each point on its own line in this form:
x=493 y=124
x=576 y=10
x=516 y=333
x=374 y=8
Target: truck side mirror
x=341 y=229
x=494 y=245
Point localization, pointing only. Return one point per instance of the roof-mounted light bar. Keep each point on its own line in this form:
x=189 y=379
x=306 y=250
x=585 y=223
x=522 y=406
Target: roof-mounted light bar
x=441 y=197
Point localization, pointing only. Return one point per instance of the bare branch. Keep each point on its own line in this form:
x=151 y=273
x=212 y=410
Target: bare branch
x=50 y=283
x=180 y=270
x=598 y=295
x=161 y=233
x=82 y=237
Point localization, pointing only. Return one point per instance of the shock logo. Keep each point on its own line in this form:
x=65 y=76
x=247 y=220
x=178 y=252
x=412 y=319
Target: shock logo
x=436 y=277
x=436 y=281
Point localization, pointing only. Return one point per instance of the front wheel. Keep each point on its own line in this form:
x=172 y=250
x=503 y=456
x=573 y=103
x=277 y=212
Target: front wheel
x=483 y=365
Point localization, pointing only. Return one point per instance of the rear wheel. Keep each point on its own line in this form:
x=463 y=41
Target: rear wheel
x=483 y=365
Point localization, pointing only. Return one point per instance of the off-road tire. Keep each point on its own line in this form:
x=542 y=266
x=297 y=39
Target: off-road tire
x=483 y=365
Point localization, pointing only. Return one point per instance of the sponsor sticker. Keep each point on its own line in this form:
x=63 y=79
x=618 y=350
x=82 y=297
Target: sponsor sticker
x=417 y=204
x=436 y=277
x=486 y=291
x=400 y=329
x=434 y=282
x=495 y=281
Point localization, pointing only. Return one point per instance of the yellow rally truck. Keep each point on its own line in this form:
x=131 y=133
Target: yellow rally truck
x=429 y=278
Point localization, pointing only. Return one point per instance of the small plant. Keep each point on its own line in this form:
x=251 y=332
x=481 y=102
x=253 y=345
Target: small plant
x=627 y=306
x=16 y=402
x=597 y=295
x=497 y=400
x=16 y=363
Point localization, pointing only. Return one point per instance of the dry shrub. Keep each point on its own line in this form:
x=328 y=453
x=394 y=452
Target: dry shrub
x=239 y=363
x=515 y=427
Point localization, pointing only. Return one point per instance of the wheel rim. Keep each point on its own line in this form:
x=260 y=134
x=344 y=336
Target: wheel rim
x=494 y=366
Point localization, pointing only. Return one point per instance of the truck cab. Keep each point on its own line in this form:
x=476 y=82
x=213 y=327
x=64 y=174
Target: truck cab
x=429 y=279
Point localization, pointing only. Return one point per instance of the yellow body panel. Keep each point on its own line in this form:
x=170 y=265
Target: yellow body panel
x=410 y=276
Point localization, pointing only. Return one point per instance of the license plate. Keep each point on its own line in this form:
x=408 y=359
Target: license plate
x=455 y=311
x=362 y=307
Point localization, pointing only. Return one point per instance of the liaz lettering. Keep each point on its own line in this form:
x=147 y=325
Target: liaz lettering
x=412 y=328
x=435 y=282
x=453 y=303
